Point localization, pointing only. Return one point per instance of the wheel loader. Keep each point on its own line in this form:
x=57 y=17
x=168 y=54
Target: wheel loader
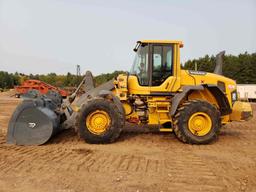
x=192 y=104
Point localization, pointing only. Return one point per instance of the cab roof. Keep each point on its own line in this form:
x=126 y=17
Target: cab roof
x=163 y=41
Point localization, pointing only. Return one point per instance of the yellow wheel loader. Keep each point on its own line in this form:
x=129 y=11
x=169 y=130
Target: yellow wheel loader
x=192 y=104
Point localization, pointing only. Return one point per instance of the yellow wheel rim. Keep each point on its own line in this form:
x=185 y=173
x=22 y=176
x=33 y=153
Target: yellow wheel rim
x=98 y=122
x=200 y=124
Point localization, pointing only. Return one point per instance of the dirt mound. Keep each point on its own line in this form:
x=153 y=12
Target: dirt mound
x=138 y=161
x=10 y=93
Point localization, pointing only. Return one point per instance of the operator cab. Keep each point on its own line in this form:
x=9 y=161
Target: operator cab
x=154 y=61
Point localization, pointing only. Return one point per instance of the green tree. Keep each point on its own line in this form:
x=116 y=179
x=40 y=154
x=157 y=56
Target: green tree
x=241 y=68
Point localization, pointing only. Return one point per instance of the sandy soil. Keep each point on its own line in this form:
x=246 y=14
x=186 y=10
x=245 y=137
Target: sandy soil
x=137 y=162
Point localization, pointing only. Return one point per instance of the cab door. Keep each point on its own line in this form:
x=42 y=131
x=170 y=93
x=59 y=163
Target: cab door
x=162 y=68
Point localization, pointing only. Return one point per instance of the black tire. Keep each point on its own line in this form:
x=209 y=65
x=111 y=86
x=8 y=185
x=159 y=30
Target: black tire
x=114 y=129
x=181 y=122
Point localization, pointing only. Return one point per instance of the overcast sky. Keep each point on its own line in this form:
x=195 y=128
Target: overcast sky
x=43 y=36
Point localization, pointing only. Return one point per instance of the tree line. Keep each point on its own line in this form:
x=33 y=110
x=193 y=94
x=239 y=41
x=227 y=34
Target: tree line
x=241 y=68
x=9 y=80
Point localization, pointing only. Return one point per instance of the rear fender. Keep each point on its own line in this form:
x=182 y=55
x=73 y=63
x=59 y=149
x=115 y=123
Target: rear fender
x=215 y=91
x=221 y=98
x=179 y=96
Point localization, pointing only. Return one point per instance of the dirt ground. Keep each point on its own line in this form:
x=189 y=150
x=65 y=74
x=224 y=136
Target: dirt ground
x=137 y=162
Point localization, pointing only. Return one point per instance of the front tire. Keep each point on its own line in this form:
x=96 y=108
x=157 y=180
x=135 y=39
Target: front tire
x=100 y=121
x=197 y=122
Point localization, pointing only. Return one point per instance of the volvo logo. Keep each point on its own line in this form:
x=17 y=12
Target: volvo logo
x=31 y=125
x=197 y=72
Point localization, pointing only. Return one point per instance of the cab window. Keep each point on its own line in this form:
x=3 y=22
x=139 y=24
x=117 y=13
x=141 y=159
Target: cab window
x=162 y=64
x=140 y=65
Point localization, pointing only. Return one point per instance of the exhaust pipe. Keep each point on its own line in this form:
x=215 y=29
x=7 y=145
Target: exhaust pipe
x=219 y=63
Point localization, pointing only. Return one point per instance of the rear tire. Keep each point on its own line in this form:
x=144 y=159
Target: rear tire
x=106 y=117
x=197 y=122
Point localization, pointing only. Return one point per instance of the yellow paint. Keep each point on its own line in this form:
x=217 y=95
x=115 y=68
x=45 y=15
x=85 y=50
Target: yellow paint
x=171 y=84
x=127 y=108
x=200 y=124
x=225 y=119
x=75 y=108
x=158 y=112
x=135 y=88
x=121 y=87
x=98 y=122
x=239 y=108
x=204 y=95
x=180 y=43
x=165 y=130
x=208 y=78
x=158 y=107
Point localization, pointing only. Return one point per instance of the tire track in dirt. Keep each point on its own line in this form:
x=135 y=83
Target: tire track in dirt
x=147 y=157
x=97 y=159
x=64 y=159
x=42 y=159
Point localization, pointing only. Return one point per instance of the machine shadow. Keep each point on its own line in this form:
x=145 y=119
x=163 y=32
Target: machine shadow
x=129 y=132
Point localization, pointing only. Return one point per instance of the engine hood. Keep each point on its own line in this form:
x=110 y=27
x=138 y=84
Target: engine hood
x=201 y=77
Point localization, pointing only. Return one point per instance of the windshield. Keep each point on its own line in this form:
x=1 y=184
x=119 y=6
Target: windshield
x=140 y=65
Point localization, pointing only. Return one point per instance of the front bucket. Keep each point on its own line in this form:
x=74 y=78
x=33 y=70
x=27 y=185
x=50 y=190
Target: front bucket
x=32 y=123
